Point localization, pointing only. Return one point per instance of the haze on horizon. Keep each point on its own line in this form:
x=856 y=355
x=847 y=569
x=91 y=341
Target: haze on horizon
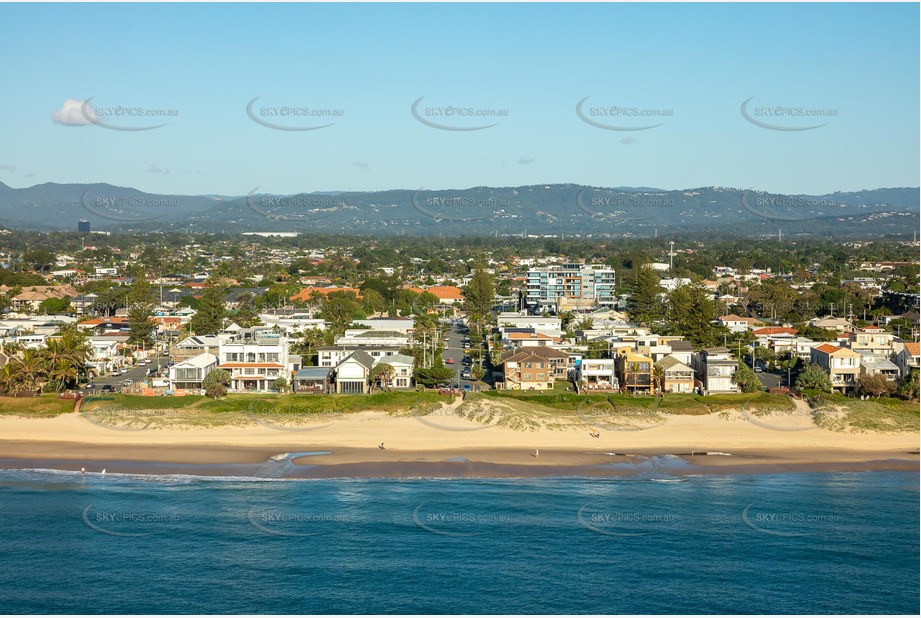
x=797 y=99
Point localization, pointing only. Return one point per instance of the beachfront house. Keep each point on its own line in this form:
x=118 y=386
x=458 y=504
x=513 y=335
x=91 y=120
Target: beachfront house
x=256 y=358
x=634 y=372
x=525 y=370
x=872 y=364
x=596 y=374
x=402 y=369
x=353 y=372
x=313 y=380
x=676 y=377
x=189 y=374
x=714 y=369
x=841 y=364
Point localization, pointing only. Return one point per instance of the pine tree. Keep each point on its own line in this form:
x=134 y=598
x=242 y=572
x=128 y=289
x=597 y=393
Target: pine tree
x=644 y=306
x=140 y=302
x=209 y=318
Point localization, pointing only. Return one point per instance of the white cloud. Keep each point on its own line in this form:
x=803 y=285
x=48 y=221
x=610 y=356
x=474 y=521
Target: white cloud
x=71 y=114
x=628 y=140
x=153 y=168
x=6 y=167
x=362 y=165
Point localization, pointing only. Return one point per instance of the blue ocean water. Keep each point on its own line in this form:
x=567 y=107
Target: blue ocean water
x=772 y=543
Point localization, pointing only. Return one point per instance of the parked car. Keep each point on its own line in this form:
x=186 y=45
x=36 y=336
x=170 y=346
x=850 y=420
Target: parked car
x=466 y=374
x=108 y=388
x=450 y=361
x=128 y=382
x=89 y=385
x=466 y=388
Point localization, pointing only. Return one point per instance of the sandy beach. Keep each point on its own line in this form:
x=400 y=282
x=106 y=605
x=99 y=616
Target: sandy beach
x=445 y=445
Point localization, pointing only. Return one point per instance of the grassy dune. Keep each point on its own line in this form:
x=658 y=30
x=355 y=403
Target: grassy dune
x=45 y=406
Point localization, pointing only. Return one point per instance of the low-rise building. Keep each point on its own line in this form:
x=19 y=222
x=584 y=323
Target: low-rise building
x=315 y=380
x=596 y=374
x=526 y=370
x=189 y=374
x=634 y=372
x=715 y=369
x=256 y=358
x=352 y=373
x=841 y=364
x=908 y=359
x=676 y=376
x=402 y=364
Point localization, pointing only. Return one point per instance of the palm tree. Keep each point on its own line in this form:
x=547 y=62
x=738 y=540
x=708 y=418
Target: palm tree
x=659 y=378
x=31 y=368
x=9 y=379
x=63 y=373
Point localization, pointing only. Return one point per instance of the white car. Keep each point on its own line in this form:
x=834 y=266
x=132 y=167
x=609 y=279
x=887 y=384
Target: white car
x=128 y=382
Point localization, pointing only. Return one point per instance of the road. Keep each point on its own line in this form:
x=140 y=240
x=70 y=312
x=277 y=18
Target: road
x=138 y=374
x=454 y=348
x=770 y=380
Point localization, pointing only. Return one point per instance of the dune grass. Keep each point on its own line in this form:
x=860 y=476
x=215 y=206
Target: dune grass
x=44 y=406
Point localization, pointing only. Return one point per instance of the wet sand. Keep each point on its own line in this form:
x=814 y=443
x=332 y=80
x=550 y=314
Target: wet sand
x=326 y=462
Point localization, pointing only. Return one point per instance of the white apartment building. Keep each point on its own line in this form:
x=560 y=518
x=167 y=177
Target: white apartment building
x=548 y=285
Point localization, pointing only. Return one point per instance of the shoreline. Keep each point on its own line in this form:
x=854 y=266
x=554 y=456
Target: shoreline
x=326 y=463
x=443 y=445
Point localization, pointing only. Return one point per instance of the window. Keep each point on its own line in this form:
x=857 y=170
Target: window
x=526 y=376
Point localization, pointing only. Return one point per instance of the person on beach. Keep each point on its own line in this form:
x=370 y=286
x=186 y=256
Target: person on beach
x=83 y=470
x=381 y=446
x=103 y=471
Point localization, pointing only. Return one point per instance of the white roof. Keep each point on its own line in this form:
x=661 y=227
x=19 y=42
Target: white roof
x=201 y=361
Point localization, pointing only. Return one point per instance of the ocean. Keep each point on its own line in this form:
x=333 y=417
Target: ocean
x=749 y=543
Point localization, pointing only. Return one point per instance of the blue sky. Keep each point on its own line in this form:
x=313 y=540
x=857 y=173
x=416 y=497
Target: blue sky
x=692 y=65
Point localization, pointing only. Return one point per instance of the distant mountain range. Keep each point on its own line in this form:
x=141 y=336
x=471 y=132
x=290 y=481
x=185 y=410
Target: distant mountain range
x=532 y=210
